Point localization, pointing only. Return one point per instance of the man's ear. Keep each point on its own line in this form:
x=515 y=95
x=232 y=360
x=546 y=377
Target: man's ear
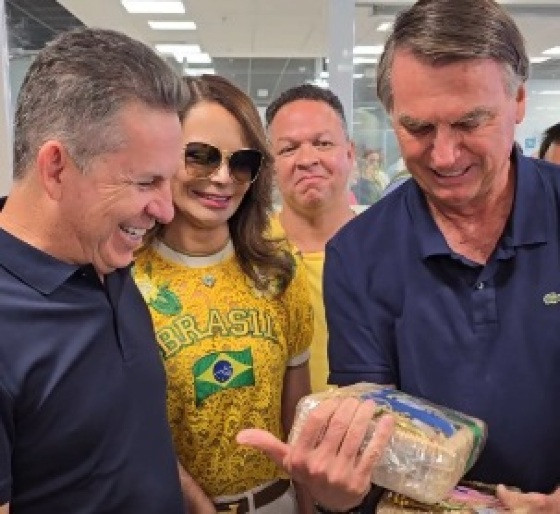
x=351 y=150
x=521 y=100
x=52 y=161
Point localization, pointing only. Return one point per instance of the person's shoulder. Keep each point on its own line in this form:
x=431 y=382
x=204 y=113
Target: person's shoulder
x=144 y=258
x=275 y=229
x=548 y=173
x=548 y=168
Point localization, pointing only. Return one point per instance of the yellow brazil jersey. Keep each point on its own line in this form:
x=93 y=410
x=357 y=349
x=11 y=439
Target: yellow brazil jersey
x=226 y=346
x=313 y=264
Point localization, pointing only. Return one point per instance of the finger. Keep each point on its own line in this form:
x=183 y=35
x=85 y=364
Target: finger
x=514 y=501
x=507 y=497
x=266 y=442
x=338 y=425
x=373 y=452
x=360 y=425
x=313 y=429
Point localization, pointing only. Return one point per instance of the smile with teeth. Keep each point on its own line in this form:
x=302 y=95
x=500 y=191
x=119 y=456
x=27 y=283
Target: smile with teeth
x=135 y=232
x=451 y=174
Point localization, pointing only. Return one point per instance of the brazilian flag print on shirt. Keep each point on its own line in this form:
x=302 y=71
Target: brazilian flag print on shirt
x=222 y=370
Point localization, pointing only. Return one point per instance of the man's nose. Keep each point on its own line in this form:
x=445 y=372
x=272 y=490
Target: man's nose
x=445 y=148
x=307 y=155
x=161 y=207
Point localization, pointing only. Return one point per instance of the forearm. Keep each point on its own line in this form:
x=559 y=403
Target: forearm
x=304 y=500
x=195 y=499
x=296 y=385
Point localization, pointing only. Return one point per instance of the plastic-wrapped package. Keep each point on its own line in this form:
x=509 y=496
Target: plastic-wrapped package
x=466 y=498
x=430 y=450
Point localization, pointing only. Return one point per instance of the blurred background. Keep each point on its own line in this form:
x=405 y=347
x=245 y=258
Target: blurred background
x=267 y=46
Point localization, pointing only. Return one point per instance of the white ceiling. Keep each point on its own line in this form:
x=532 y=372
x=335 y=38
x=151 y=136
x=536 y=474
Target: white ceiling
x=225 y=28
x=263 y=46
x=287 y=28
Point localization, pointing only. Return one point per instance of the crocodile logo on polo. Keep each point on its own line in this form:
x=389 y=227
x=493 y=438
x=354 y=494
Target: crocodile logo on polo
x=551 y=298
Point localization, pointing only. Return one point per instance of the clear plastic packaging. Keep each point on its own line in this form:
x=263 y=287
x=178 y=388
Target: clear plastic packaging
x=430 y=450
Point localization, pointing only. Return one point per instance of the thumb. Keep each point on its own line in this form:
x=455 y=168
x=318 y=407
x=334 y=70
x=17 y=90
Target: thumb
x=511 y=498
x=266 y=442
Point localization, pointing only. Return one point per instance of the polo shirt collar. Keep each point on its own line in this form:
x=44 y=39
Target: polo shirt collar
x=528 y=222
x=35 y=268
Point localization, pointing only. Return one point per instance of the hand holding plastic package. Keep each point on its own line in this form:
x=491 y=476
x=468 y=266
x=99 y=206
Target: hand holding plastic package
x=431 y=448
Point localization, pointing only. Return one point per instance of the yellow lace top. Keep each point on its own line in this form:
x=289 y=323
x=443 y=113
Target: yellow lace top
x=225 y=346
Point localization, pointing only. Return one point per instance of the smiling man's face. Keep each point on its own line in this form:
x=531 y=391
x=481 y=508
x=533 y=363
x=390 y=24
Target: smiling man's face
x=455 y=125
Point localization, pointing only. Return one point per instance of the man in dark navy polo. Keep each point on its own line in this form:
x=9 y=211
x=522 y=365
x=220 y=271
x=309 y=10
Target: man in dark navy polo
x=449 y=287
x=83 y=424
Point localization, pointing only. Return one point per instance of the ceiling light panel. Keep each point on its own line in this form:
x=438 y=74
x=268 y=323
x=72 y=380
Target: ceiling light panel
x=555 y=50
x=154 y=6
x=368 y=50
x=172 y=25
x=196 y=72
x=537 y=60
x=385 y=26
x=201 y=58
x=364 y=60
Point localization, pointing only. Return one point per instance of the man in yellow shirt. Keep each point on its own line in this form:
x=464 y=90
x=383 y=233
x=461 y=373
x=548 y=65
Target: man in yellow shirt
x=313 y=161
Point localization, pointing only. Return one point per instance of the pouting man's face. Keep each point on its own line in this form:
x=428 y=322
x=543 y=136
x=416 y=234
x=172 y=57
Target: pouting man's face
x=313 y=156
x=123 y=193
x=455 y=126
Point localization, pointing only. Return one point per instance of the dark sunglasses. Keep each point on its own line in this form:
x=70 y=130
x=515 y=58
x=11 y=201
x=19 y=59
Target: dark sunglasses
x=204 y=160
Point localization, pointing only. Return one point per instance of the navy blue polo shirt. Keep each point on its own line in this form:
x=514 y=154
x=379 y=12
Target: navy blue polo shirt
x=82 y=392
x=402 y=308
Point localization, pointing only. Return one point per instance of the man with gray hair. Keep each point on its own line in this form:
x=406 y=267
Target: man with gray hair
x=83 y=425
x=449 y=288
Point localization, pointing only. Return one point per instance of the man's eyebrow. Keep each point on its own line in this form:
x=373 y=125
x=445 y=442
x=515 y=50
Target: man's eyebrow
x=410 y=122
x=315 y=135
x=476 y=114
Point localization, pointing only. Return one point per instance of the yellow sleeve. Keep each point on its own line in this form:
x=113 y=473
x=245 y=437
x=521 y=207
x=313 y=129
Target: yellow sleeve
x=300 y=314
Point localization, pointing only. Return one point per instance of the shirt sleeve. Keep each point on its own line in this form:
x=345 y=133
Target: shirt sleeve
x=6 y=443
x=300 y=317
x=358 y=351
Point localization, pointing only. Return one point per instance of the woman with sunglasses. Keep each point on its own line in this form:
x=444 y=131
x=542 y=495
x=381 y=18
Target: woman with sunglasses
x=230 y=309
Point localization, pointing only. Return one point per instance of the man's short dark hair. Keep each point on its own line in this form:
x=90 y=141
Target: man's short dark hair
x=306 y=92
x=77 y=85
x=440 y=32
x=550 y=135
